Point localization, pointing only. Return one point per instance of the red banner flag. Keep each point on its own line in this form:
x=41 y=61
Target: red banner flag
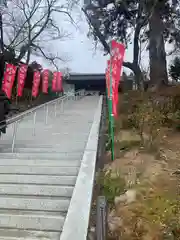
x=54 y=82
x=36 y=83
x=21 y=79
x=59 y=81
x=117 y=56
x=9 y=77
x=45 y=78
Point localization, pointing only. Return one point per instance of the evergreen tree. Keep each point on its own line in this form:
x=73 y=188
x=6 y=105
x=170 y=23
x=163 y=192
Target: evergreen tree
x=135 y=21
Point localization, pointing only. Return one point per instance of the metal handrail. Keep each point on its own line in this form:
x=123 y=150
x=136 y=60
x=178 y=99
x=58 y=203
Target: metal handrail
x=16 y=119
x=101 y=218
x=32 y=110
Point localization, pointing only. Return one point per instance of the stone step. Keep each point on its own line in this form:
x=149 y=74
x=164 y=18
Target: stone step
x=76 y=147
x=39 y=170
x=55 y=131
x=39 y=162
x=45 y=135
x=47 y=156
x=38 y=179
x=42 y=144
x=34 y=203
x=55 y=123
x=23 y=234
x=29 y=150
x=61 y=130
x=36 y=190
x=31 y=220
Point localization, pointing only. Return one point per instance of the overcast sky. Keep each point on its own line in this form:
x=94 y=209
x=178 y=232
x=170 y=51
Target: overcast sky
x=81 y=51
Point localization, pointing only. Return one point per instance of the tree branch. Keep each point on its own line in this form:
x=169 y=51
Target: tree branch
x=103 y=41
x=49 y=58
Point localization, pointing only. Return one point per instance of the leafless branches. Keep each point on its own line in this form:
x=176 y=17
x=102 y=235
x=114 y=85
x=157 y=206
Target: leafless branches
x=30 y=25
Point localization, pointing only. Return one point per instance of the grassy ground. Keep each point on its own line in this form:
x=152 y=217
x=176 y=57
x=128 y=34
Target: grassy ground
x=143 y=187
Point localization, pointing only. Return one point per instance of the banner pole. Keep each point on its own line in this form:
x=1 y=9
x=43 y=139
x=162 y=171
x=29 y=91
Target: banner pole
x=108 y=106
x=111 y=116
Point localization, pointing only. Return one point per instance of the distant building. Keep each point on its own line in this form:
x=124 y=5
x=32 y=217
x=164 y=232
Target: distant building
x=94 y=82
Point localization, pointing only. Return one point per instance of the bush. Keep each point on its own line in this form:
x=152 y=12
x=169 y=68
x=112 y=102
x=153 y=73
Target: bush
x=144 y=114
x=148 y=112
x=148 y=120
x=111 y=185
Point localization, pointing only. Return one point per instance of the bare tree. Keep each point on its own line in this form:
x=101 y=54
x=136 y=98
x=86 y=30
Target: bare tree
x=29 y=26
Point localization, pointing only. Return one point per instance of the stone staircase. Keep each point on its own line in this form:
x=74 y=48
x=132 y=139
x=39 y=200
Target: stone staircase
x=37 y=180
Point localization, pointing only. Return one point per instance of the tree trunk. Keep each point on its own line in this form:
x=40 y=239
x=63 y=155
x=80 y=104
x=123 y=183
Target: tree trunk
x=28 y=56
x=23 y=52
x=136 y=68
x=1 y=32
x=139 y=80
x=133 y=66
x=157 y=55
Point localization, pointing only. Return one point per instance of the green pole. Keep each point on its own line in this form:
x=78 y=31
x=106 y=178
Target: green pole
x=108 y=105
x=111 y=117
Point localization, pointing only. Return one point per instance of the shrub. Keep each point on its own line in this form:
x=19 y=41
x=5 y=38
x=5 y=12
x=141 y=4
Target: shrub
x=111 y=185
x=148 y=123
x=145 y=115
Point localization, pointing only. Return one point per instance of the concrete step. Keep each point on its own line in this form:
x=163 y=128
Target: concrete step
x=54 y=123
x=34 y=203
x=39 y=170
x=39 y=162
x=43 y=143
x=64 y=132
x=43 y=136
x=31 y=144
x=23 y=234
x=38 y=179
x=74 y=149
x=41 y=130
x=31 y=220
x=36 y=190
x=47 y=156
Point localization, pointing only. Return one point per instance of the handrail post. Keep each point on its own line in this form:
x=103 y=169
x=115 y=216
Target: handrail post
x=101 y=218
x=62 y=105
x=55 y=109
x=66 y=100
x=20 y=116
x=46 y=117
x=34 y=122
x=14 y=136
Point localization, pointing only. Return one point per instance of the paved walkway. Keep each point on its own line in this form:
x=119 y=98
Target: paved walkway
x=38 y=179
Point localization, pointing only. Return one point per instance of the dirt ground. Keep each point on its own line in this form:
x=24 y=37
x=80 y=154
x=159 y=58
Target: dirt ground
x=148 y=206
